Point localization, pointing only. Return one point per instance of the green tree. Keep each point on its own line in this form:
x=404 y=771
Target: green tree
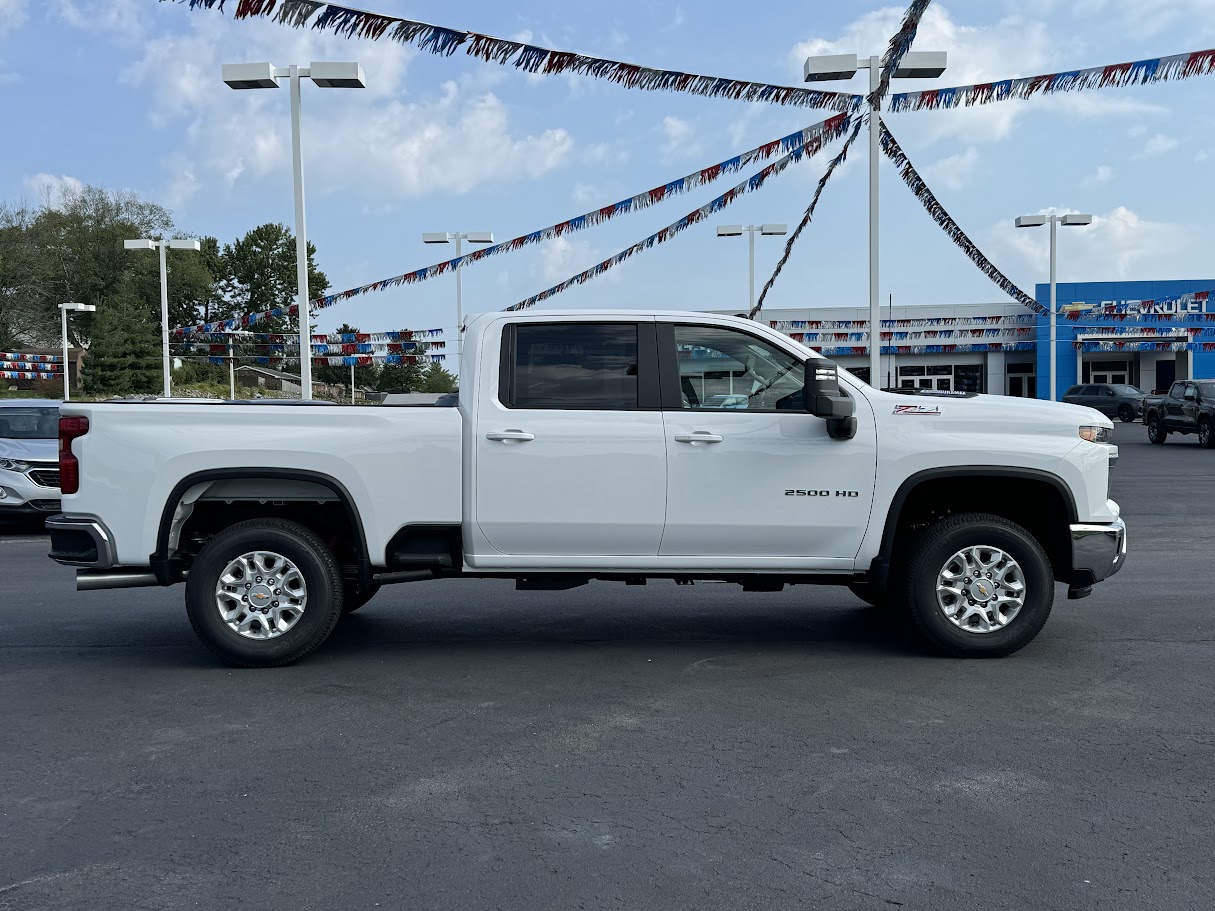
x=340 y=376
x=261 y=266
x=436 y=379
x=399 y=378
x=124 y=357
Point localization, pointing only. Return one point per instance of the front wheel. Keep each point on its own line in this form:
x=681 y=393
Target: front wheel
x=264 y=593
x=1126 y=414
x=1205 y=438
x=978 y=586
x=1156 y=432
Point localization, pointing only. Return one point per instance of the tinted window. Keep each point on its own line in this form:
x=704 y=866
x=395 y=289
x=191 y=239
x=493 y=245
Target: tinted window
x=1090 y=390
x=1207 y=391
x=1128 y=390
x=727 y=370
x=29 y=423
x=580 y=366
x=1075 y=390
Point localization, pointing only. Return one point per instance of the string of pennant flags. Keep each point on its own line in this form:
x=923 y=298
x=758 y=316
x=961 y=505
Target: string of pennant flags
x=1143 y=346
x=349 y=22
x=33 y=358
x=750 y=185
x=29 y=375
x=860 y=350
x=1011 y=319
x=1140 y=72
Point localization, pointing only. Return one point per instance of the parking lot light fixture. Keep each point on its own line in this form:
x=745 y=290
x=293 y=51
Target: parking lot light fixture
x=63 y=315
x=1074 y=219
x=771 y=230
x=831 y=67
x=177 y=243
x=444 y=237
x=325 y=75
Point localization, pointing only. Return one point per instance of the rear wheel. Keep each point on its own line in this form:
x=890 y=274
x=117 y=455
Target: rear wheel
x=1156 y=432
x=1205 y=437
x=978 y=586
x=264 y=593
x=1126 y=414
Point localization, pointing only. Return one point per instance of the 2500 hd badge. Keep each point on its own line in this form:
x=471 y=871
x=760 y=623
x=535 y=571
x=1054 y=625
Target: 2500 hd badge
x=849 y=494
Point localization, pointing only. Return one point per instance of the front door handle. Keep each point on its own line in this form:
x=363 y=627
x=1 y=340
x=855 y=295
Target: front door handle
x=700 y=436
x=510 y=436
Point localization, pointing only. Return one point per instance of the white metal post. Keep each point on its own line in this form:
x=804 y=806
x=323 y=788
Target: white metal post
x=459 y=302
x=63 y=314
x=163 y=246
x=751 y=234
x=231 y=372
x=875 y=312
x=352 y=384
x=301 y=240
x=1054 y=346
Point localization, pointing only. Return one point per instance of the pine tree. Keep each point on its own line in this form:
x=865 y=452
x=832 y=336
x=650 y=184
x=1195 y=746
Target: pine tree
x=124 y=357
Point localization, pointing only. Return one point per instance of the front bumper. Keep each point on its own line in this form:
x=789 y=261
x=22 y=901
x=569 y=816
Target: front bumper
x=1098 y=551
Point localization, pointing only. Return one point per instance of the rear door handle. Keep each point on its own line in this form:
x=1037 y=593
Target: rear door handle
x=510 y=436
x=700 y=436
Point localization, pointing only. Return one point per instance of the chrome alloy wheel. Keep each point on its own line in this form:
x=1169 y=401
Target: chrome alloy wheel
x=981 y=589
x=261 y=595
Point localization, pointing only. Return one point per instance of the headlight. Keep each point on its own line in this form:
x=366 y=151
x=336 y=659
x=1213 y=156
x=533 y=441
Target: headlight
x=1095 y=434
x=13 y=465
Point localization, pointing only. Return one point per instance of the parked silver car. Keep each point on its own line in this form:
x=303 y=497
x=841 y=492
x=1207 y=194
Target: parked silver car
x=29 y=458
x=1118 y=400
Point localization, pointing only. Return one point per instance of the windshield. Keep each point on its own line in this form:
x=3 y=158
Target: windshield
x=29 y=423
x=1123 y=389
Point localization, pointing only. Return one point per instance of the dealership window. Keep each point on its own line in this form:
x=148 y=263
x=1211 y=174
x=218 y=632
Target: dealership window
x=577 y=366
x=942 y=377
x=861 y=373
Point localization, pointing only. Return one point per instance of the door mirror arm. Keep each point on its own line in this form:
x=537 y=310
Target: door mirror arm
x=825 y=399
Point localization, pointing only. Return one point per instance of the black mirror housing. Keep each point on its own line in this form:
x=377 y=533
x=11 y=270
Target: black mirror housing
x=825 y=399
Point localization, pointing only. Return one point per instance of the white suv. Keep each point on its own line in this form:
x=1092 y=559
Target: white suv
x=29 y=458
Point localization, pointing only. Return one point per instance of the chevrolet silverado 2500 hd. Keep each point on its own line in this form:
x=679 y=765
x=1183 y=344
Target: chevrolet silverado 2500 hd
x=597 y=445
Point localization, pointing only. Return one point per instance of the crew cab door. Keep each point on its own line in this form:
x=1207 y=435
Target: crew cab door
x=569 y=452
x=751 y=474
x=1174 y=406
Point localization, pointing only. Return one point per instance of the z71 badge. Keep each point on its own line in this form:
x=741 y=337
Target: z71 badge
x=917 y=409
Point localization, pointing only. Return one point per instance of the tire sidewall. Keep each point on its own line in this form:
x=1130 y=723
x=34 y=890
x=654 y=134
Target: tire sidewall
x=1039 y=585
x=1207 y=442
x=319 y=614
x=1124 y=411
x=1155 y=430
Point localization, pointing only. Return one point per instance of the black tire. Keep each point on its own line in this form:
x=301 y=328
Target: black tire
x=1206 y=439
x=1126 y=414
x=355 y=595
x=1156 y=432
x=317 y=566
x=874 y=597
x=930 y=553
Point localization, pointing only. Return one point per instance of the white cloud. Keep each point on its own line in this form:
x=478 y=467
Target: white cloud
x=1157 y=144
x=1103 y=174
x=955 y=171
x=13 y=15
x=679 y=138
x=1201 y=155
x=1147 y=18
x=51 y=189
x=586 y=194
x=1116 y=245
x=369 y=141
x=561 y=257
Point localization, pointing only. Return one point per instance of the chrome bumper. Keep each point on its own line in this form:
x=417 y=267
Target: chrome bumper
x=81 y=541
x=1098 y=551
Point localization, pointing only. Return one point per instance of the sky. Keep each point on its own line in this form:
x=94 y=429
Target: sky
x=126 y=94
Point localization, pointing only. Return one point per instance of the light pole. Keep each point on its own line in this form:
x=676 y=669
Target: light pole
x=163 y=246
x=63 y=312
x=1037 y=221
x=327 y=76
x=914 y=65
x=752 y=230
x=473 y=237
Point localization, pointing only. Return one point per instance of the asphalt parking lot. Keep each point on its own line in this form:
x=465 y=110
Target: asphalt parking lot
x=462 y=745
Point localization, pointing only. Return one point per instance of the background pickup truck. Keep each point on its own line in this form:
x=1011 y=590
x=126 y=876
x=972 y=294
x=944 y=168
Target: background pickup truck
x=597 y=445
x=1188 y=408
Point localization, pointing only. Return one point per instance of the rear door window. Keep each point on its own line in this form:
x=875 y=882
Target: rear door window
x=572 y=366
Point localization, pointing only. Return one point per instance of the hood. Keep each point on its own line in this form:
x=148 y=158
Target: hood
x=30 y=450
x=997 y=408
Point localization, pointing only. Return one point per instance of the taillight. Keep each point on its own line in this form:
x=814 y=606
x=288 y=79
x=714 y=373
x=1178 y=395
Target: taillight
x=69 y=468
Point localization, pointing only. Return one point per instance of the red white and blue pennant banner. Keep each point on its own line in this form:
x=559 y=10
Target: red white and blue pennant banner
x=19 y=362
x=810 y=139
x=896 y=50
x=437 y=39
x=750 y=185
x=34 y=358
x=934 y=208
x=28 y=375
x=1020 y=319
x=1140 y=72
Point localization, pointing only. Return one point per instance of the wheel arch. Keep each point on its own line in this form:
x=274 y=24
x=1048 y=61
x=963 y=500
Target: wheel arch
x=908 y=504
x=163 y=561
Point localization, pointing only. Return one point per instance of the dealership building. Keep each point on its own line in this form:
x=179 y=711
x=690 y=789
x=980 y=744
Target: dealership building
x=1144 y=333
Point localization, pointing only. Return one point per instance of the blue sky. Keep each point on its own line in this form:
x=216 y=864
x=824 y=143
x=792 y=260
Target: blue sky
x=127 y=94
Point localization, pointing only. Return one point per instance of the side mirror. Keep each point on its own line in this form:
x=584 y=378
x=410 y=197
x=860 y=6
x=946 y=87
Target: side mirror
x=825 y=399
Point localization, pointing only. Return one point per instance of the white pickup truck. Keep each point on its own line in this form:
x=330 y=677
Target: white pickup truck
x=587 y=446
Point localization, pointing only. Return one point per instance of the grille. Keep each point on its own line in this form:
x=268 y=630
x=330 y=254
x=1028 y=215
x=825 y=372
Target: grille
x=45 y=477
x=46 y=505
